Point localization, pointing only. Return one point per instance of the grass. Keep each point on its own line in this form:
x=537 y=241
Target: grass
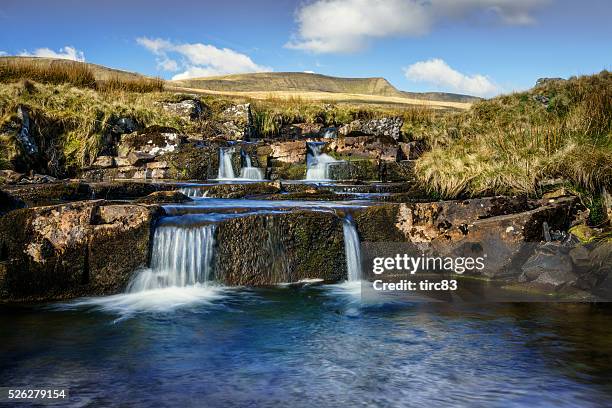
x=506 y=145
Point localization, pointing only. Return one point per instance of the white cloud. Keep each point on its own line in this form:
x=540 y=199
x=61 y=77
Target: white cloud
x=67 y=52
x=199 y=59
x=2 y=53
x=309 y=72
x=438 y=73
x=326 y=26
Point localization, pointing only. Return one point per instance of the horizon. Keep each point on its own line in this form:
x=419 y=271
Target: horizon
x=402 y=41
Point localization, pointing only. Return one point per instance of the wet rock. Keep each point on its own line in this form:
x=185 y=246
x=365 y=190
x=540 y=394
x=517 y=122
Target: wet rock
x=301 y=130
x=25 y=138
x=376 y=127
x=312 y=194
x=35 y=195
x=163 y=197
x=193 y=161
x=188 y=109
x=240 y=190
x=284 y=248
x=70 y=250
x=354 y=170
x=287 y=171
x=122 y=161
x=10 y=177
x=127 y=190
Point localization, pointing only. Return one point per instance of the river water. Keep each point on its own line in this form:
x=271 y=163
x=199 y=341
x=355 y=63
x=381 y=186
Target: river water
x=314 y=346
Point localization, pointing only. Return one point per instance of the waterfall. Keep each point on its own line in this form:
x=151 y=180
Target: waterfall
x=226 y=170
x=317 y=163
x=352 y=249
x=248 y=171
x=181 y=256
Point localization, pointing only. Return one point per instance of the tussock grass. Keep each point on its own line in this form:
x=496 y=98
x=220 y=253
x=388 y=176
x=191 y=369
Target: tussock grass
x=141 y=85
x=57 y=72
x=506 y=145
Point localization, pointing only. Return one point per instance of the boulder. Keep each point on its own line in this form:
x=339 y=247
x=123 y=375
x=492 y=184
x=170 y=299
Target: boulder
x=377 y=147
x=139 y=158
x=354 y=170
x=194 y=161
x=69 y=250
x=285 y=248
x=550 y=266
x=188 y=109
x=123 y=125
x=287 y=152
x=397 y=171
x=154 y=140
x=236 y=122
x=301 y=130
x=390 y=127
x=36 y=195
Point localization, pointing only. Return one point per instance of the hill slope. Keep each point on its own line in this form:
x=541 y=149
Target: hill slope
x=293 y=82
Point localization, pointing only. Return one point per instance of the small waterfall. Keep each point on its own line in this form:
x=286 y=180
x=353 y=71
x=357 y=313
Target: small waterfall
x=194 y=192
x=226 y=170
x=248 y=171
x=352 y=249
x=181 y=256
x=317 y=163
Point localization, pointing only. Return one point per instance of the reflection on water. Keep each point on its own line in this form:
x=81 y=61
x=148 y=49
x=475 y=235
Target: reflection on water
x=315 y=346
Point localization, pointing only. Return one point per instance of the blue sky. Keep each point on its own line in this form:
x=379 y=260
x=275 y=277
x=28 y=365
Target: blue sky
x=480 y=47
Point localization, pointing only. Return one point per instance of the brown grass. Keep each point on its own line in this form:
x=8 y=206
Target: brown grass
x=58 y=72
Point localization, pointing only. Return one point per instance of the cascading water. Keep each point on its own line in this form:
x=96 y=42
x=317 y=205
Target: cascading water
x=181 y=256
x=352 y=249
x=248 y=171
x=317 y=163
x=226 y=170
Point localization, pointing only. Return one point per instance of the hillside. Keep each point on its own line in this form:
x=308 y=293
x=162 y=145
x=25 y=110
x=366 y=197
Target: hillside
x=292 y=81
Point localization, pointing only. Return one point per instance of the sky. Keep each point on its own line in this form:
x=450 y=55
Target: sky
x=477 y=47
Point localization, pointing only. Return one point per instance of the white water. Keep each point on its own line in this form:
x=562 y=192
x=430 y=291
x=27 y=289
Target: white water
x=352 y=250
x=318 y=164
x=226 y=170
x=181 y=256
x=249 y=172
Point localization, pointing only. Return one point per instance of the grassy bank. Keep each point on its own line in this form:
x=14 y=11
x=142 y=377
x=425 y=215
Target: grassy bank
x=506 y=145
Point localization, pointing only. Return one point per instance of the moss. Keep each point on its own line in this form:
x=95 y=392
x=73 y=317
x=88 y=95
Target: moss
x=584 y=233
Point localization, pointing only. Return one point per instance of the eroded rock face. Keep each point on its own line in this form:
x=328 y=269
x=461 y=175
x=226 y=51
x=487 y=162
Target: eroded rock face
x=390 y=127
x=154 y=141
x=354 y=170
x=379 y=148
x=281 y=248
x=162 y=197
x=288 y=152
x=69 y=250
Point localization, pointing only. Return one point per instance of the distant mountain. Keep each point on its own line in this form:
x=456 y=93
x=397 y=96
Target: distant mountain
x=442 y=96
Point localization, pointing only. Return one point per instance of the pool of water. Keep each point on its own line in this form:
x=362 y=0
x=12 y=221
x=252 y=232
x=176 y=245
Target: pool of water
x=315 y=346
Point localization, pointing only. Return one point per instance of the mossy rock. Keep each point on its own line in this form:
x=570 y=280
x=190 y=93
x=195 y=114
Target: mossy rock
x=583 y=232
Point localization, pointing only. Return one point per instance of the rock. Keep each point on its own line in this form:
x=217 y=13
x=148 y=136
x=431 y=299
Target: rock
x=163 y=197
x=36 y=195
x=287 y=152
x=240 y=190
x=127 y=190
x=122 y=161
x=160 y=174
x=10 y=177
x=411 y=150
x=236 y=122
x=139 y=158
x=354 y=170
x=583 y=232
x=550 y=265
x=124 y=125
x=607 y=203
x=9 y=203
x=103 y=162
x=154 y=140
x=546 y=81
x=301 y=130
x=376 y=127
x=194 y=161
x=289 y=247
x=367 y=147
x=69 y=250
x=158 y=165
x=397 y=171
x=188 y=109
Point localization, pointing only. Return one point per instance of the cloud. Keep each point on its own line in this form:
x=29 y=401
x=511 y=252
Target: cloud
x=309 y=72
x=67 y=52
x=440 y=74
x=199 y=59
x=342 y=26
x=2 y=53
